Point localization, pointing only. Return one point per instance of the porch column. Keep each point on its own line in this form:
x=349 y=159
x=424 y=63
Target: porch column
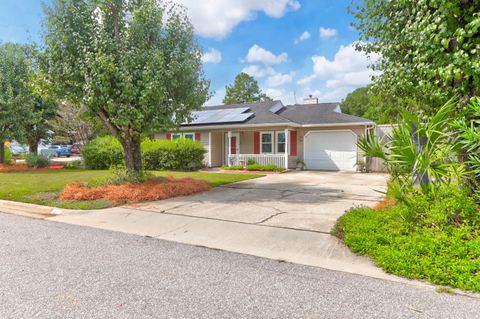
x=287 y=138
x=229 y=147
x=210 y=149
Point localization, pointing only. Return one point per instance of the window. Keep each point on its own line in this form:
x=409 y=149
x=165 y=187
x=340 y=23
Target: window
x=188 y=136
x=280 y=142
x=266 y=140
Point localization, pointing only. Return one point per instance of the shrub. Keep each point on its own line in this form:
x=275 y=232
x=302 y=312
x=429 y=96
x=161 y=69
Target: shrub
x=72 y=165
x=233 y=168
x=8 y=155
x=103 y=153
x=180 y=154
x=440 y=242
x=251 y=161
x=263 y=168
x=37 y=161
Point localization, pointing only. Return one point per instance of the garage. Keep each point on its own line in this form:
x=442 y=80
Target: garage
x=330 y=150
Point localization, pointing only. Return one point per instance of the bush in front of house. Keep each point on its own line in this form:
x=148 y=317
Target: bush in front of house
x=264 y=168
x=103 y=153
x=179 y=154
x=233 y=168
x=37 y=161
x=434 y=238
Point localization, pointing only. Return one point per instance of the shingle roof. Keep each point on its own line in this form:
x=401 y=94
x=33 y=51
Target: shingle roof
x=323 y=113
x=261 y=110
x=303 y=114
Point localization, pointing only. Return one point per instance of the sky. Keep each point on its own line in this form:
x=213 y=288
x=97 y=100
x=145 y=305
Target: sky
x=293 y=48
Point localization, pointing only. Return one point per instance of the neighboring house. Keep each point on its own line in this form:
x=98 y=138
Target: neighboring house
x=318 y=134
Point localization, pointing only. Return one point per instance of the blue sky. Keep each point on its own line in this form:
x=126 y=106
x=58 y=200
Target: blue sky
x=261 y=37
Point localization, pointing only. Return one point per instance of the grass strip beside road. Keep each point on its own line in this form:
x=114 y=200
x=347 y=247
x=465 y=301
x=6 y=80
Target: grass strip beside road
x=44 y=187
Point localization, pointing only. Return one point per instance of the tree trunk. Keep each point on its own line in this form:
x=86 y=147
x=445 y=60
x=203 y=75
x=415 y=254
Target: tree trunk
x=133 y=155
x=2 y=152
x=33 y=148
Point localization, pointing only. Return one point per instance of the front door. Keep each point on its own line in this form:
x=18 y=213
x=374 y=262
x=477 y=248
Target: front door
x=234 y=146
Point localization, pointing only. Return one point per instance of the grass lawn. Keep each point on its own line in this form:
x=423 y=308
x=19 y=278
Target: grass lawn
x=43 y=187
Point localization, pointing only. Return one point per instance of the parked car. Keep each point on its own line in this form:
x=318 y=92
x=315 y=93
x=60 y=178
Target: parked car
x=75 y=150
x=18 y=150
x=58 y=151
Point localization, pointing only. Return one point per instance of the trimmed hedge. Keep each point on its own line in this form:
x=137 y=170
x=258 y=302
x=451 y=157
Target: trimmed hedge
x=103 y=153
x=181 y=154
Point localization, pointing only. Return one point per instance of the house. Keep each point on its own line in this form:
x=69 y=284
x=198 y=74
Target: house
x=318 y=134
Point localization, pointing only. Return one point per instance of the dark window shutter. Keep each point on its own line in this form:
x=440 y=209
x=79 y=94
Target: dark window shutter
x=256 y=142
x=197 y=137
x=293 y=143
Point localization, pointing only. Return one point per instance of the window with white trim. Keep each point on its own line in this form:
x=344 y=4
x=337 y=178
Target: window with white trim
x=189 y=136
x=280 y=142
x=266 y=142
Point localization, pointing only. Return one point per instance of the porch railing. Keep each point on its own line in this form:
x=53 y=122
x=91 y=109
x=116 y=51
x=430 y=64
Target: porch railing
x=242 y=159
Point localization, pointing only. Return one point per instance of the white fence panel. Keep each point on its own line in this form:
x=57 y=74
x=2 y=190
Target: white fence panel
x=263 y=159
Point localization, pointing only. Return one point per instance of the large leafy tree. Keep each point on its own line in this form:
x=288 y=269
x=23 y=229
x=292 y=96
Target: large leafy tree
x=38 y=126
x=430 y=48
x=135 y=64
x=16 y=100
x=245 y=89
x=367 y=102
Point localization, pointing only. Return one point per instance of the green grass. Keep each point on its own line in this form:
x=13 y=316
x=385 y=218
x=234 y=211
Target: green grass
x=43 y=187
x=447 y=255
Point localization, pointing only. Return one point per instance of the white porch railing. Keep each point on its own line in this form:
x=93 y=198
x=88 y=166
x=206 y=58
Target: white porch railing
x=242 y=159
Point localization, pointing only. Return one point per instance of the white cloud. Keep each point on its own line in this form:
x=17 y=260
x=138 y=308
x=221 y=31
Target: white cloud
x=258 y=72
x=287 y=97
x=278 y=79
x=327 y=33
x=259 y=54
x=347 y=62
x=348 y=70
x=216 y=19
x=212 y=56
x=304 y=36
x=306 y=79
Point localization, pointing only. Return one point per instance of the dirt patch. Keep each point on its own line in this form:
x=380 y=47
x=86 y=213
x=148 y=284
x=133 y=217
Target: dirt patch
x=156 y=189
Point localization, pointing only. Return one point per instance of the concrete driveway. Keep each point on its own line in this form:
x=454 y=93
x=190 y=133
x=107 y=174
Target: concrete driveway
x=304 y=200
x=284 y=217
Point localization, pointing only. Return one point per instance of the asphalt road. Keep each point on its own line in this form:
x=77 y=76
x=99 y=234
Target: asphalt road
x=54 y=270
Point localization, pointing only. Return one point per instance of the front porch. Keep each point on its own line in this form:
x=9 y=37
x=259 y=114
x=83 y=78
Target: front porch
x=275 y=146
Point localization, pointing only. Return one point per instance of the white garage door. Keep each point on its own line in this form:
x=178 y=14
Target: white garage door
x=335 y=150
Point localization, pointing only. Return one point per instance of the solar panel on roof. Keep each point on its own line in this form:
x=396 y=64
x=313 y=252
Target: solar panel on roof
x=220 y=116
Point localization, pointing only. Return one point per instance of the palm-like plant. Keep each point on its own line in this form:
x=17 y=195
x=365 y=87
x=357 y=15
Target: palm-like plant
x=421 y=151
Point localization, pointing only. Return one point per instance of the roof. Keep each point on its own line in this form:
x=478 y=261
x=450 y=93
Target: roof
x=322 y=113
x=274 y=112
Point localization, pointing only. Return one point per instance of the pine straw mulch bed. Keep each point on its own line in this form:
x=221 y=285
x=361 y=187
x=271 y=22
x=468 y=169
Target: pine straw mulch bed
x=8 y=168
x=154 y=189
